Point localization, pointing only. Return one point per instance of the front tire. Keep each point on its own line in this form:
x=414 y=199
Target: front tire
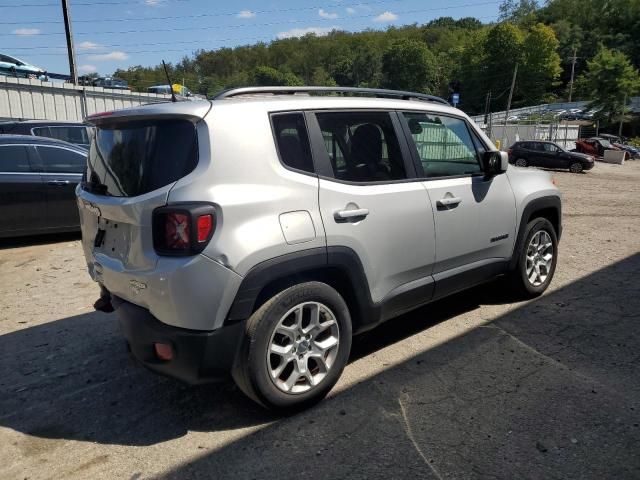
x=576 y=167
x=295 y=348
x=537 y=258
x=521 y=162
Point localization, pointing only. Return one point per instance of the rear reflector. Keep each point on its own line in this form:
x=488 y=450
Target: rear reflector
x=164 y=351
x=205 y=224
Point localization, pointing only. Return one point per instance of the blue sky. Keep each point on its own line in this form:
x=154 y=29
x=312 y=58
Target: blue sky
x=112 y=34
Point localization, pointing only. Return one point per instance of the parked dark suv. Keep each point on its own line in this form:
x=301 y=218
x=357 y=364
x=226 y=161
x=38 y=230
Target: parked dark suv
x=72 y=132
x=548 y=155
x=38 y=178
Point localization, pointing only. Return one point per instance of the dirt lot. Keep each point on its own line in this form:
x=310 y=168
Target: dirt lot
x=470 y=387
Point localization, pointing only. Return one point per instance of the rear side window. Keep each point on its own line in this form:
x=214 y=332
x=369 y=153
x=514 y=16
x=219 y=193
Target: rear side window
x=131 y=158
x=362 y=146
x=14 y=159
x=292 y=139
x=444 y=144
x=61 y=160
x=77 y=135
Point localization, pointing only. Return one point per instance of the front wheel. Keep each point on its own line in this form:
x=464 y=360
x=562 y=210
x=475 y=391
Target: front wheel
x=537 y=258
x=521 y=162
x=295 y=348
x=576 y=167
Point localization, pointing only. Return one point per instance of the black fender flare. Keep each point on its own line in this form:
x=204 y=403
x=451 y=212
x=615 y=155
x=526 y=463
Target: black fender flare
x=547 y=203
x=305 y=265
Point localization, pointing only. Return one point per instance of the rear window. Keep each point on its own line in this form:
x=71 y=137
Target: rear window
x=133 y=158
x=71 y=134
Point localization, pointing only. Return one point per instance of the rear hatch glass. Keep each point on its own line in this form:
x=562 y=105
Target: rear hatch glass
x=131 y=158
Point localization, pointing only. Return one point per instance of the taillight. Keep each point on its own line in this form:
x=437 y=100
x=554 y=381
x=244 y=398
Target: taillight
x=183 y=229
x=176 y=231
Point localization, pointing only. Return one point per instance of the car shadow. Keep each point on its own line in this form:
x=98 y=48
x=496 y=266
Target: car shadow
x=78 y=371
x=511 y=395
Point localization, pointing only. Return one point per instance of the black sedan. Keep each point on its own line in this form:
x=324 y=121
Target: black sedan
x=38 y=178
x=548 y=155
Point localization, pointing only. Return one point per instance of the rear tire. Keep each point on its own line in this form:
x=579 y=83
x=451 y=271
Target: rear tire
x=295 y=348
x=521 y=162
x=576 y=167
x=537 y=258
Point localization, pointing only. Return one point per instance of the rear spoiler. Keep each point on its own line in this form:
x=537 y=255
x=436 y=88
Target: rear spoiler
x=193 y=111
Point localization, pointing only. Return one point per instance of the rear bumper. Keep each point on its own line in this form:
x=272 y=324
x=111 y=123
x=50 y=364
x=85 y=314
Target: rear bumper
x=198 y=356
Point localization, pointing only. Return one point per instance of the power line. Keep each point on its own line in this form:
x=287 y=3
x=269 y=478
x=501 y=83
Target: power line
x=229 y=14
x=199 y=42
x=245 y=25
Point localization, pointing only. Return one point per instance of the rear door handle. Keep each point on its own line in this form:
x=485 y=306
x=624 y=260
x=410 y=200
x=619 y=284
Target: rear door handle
x=58 y=183
x=448 y=201
x=348 y=214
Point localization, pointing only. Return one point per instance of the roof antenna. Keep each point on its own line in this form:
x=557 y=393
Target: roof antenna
x=173 y=95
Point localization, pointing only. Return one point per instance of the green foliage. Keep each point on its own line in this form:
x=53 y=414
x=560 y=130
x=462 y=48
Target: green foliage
x=267 y=76
x=540 y=63
x=408 y=65
x=611 y=81
x=518 y=11
x=429 y=57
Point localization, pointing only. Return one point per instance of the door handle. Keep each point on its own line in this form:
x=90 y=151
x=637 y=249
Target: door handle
x=448 y=201
x=58 y=183
x=349 y=214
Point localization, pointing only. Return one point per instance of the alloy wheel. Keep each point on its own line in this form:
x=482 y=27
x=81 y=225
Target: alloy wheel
x=303 y=347
x=521 y=162
x=539 y=258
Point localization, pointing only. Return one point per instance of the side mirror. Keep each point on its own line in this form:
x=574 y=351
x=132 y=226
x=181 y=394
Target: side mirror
x=495 y=163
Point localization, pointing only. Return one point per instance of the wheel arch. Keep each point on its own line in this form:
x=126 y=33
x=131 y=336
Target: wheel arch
x=549 y=207
x=338 y=267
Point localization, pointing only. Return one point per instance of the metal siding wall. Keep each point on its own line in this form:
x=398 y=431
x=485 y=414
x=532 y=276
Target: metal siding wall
x=22 y=98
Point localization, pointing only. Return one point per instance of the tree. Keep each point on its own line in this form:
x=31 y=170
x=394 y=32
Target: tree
x=321 y=78
x=502 y=50
x=268 y=76
x=541 y=63
x=610 y=79
x=408 y=65
x=518 y=11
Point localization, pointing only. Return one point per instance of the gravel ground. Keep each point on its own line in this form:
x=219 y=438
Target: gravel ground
x=470 y=387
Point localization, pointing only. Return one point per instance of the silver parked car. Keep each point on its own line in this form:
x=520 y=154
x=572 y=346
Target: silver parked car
x=18 y=68
x=256 y=233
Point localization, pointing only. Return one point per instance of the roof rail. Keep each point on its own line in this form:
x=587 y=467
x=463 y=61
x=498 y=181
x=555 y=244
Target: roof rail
x=374 y=92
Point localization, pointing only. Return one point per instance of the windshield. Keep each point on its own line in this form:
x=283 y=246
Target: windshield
x=133 y=158
x=605 y=143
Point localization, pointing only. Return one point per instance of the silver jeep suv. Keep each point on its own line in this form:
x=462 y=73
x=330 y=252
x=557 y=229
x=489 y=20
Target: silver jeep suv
x=256 y=233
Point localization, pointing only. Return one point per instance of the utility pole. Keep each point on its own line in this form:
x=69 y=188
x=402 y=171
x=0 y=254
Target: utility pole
x=624 y=104
x=73 y=72
x=573 y=72
x=513 y=85
x=487 y=113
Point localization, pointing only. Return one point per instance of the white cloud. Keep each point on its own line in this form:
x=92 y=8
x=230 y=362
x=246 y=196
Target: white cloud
x=328 y=15
x=246 y=14
x=116 y=55
x=88 y=46
x=87 y=69
x=301 y=32
x=26 y=31
x=386 y=17
x=153 y=3
x=351 y=10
